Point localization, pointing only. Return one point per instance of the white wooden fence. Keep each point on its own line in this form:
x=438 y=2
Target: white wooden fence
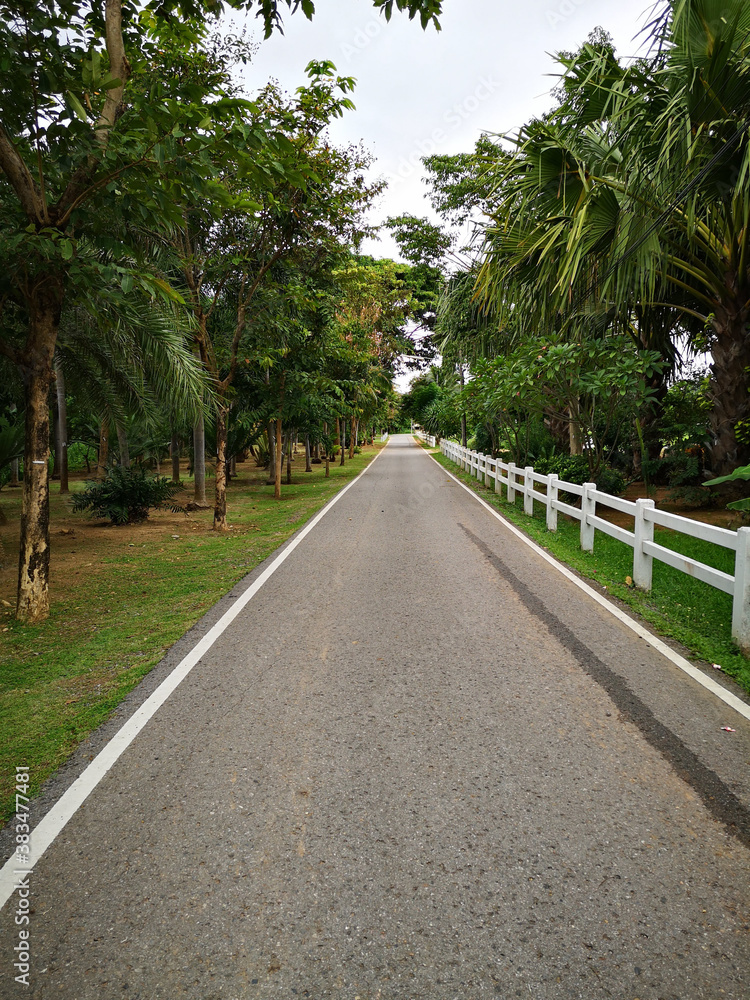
x=641 y=539
x=427 y=438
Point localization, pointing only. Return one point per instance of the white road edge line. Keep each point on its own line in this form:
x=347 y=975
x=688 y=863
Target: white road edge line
x=63 y=810
x=679 y=661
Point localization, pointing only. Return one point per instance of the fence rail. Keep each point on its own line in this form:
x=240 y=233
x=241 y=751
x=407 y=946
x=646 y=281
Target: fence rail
x=645 y=516
x=427 y=438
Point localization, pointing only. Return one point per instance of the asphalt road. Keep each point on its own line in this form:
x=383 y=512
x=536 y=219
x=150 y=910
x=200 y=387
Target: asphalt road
x=420 y=764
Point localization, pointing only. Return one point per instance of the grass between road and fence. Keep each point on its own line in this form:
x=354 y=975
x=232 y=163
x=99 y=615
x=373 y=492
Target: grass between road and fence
x=678 y=606
x=121 y=596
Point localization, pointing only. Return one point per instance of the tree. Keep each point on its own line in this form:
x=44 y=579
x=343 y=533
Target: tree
x=630 y=202
x=310 y=200
x=77 y=135
x=463 y=186
x=70 y=150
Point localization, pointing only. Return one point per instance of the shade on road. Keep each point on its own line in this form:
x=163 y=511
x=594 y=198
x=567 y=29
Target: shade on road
x=419 y=764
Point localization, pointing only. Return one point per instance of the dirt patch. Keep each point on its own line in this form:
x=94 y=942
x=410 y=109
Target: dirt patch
x=79 y=546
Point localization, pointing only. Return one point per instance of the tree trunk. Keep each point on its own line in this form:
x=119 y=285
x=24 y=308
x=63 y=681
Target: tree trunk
x=62 y=424
x=32 y=603
x=103 y=459
x=352 y=431
x=308 y=456
x=56 y=438
x=558 y=428
x=289 y=459
x=271 y=454
x=342 y=438
x=13 y=473
x=199 y=461
x=220 y=503
x=174 y=450
x=122 y=444
x=464 y=438
x=33 y=565
x=574 y=431
x=729 y=391
x=279 y=460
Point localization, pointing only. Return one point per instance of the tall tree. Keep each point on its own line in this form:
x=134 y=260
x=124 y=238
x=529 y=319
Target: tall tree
x=631 y=201
x=77 y=136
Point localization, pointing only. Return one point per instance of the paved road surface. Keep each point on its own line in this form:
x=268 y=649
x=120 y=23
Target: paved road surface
x=420 y=764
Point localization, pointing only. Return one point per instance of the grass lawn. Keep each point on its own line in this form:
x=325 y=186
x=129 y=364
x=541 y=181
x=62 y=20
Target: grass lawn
x=678 y=606
x=121 y=596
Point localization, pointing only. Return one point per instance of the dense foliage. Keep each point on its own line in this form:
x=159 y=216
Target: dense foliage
x=126 y=495
x=611 y=245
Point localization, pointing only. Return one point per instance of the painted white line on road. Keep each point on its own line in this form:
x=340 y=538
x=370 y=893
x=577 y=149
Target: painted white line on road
x=679 y=661
x=64 y=809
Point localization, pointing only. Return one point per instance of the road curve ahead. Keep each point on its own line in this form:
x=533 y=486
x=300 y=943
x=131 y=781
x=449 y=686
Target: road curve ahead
x=419 y=764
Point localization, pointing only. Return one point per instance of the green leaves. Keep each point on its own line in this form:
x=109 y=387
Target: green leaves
x=601 y=381
x=741 y=473
x=125 y=496
x=76 y=106
x=268 y=10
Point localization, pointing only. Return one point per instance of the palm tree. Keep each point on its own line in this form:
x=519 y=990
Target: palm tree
x=631 y=200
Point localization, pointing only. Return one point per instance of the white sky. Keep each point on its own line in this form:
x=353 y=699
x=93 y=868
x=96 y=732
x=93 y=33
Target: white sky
x=420 y=92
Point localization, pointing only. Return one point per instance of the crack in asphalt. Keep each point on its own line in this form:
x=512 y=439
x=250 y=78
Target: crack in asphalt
x=720 y=800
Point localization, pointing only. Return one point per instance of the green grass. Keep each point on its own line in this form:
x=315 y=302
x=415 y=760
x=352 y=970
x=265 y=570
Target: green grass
x=121 y=596
x=678 y=606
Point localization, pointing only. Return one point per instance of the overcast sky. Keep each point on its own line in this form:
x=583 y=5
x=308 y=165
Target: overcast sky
x=420 y=92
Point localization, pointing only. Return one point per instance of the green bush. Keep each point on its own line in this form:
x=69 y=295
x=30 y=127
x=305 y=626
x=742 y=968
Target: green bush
x=262 y=455
x=575 y=469
x=11 y=445
x=80 y=456
x=126 y=495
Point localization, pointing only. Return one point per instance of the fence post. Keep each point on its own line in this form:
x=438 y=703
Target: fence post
x=588 y=506
x=498 y=473
x=551 y=499
x=528 y=487
x=644 y=532
x=741 y=596
x=487 y=464
x=511 y=482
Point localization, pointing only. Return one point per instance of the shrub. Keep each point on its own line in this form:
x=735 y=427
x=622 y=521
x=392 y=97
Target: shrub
x=575 y=469
x=262 y=455
x=126 y=495
x=11 y=446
